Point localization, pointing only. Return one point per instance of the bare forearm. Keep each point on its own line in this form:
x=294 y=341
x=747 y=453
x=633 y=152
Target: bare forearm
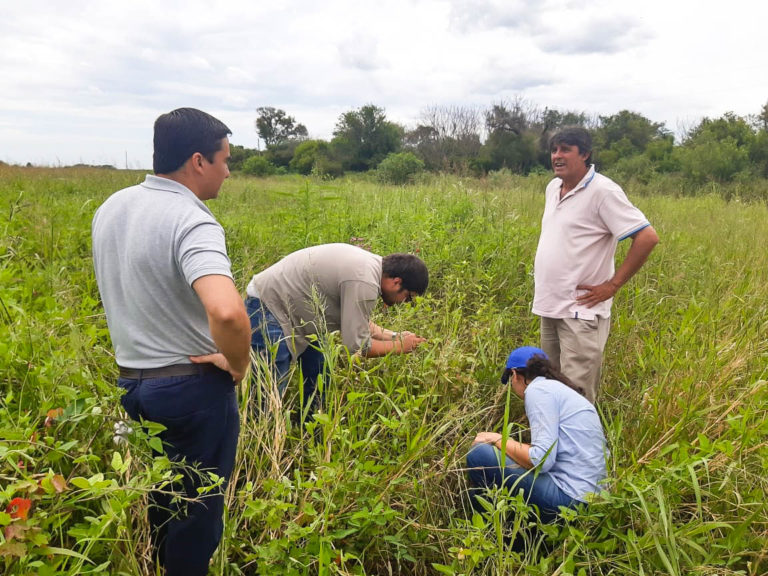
x=228 y=322
x=517 y=451
x=232 y=336
x=643 y=244
x=403 y=343
x=380 y=333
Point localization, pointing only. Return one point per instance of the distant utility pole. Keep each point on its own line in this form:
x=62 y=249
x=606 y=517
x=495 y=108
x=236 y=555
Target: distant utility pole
x=126 y=159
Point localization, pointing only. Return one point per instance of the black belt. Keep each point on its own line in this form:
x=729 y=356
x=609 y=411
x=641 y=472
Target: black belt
x=166 y=371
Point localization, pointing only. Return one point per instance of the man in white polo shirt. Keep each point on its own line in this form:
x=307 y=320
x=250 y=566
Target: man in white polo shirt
x=586 y=215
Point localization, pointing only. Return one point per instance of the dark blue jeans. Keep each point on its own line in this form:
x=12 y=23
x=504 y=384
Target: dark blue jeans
x=267 y=338
x=202 y=426
x=484 y=469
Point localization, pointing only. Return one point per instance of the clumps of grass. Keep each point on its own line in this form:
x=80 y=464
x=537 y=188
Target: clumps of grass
x=375 y=483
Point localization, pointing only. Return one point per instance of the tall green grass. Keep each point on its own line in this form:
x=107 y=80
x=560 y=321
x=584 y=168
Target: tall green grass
x=375 y=484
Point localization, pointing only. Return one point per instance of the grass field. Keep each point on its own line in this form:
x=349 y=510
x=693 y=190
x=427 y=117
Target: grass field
x=684 y=397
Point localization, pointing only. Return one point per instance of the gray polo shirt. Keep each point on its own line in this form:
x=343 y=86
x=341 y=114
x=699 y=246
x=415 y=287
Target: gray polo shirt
x=150 y=243
x=335 y=283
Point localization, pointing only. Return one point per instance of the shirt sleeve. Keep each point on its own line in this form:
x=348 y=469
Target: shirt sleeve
x=543 y=413
x=202 y=251
x=357 y=302
x=621 y=217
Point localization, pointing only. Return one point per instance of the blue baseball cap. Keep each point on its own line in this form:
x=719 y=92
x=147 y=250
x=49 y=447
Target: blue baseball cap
x=518 y=358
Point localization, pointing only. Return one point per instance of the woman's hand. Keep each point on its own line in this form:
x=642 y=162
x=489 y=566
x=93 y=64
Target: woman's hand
x=486 y=438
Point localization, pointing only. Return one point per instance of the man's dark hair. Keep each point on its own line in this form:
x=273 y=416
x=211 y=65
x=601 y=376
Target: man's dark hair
x=182 y=132
x=409 y=268
x=574 y=136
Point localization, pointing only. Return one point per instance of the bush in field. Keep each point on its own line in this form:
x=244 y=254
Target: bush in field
x=661 y=153
x=758 y=153
x=327 y=166
x=505 y=149
x=710 y=159
x=399 y=168
x=258 y=166
x=238 y=155
x=638 y=167
x=306 y=155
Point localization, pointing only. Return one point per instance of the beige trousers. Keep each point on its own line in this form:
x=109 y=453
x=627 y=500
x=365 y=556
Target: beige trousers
x=575 y=347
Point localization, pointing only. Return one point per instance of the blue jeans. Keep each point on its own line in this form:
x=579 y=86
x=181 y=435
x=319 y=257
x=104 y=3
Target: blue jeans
x=202 y=423
x=267 y=338
x=484 y=464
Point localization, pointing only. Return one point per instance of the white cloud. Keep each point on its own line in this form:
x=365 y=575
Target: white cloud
x=86 y=82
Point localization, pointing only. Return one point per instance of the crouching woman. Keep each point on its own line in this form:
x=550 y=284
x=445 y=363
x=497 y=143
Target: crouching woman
x=567 y=448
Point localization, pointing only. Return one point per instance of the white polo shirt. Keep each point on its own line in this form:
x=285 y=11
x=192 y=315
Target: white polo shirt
x=577 y=245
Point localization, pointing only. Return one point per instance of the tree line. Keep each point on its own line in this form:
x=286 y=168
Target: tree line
x=508 y=135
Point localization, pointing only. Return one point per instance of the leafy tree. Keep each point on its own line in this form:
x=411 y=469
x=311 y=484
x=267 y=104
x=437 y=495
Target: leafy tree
x=763 y=117
x=425 y=142
x=275 y=127
x=399 y=168
x=364 y=137
x=511 y=143
x=549 y=122
x=728 y=126
x=719 y=149
x=758 y=152
x=624 y=134
x=503 y=117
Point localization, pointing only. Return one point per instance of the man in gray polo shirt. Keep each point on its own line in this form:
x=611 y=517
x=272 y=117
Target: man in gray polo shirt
x=585 y=217
x=326 y=288
x=178 y=325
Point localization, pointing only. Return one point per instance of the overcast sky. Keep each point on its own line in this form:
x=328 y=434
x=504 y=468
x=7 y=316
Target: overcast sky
x=83 y=81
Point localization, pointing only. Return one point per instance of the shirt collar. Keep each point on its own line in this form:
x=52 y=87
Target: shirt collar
x=583 y=183
x=167 y=185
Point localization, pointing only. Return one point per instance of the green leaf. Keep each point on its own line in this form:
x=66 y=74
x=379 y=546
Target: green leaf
x=117 y=461
x=156 y=444
x=80 y=482
x=64 y=552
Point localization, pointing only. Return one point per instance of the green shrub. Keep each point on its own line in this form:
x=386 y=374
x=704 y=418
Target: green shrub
x=306 y=155
x=258 y=166
x=399 y=168
x=327 y=167
x=638 y=167
x=711 y=160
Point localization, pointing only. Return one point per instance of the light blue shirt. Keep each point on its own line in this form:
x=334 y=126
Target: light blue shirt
x=567 y=440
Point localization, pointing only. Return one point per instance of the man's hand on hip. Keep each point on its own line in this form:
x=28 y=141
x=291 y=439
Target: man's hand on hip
x=595 y=294
x=219 y=360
